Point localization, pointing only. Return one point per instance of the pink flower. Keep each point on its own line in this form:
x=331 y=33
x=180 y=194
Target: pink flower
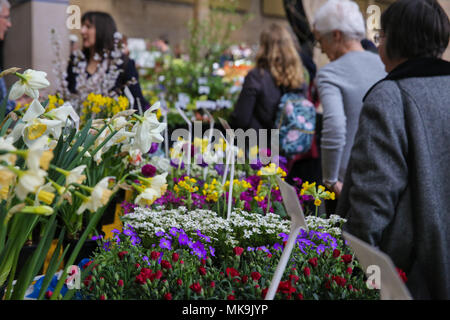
x=293 y=135
x=289 y=109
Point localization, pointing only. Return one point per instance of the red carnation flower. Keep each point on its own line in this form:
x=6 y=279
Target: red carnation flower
x=255 y=275
x=179 y=282
x=158 y=274
x=269 y=255
x=87 y=280
x=175 y=257
x=300 y=296
x=402 y=275
x=168 y=296
x=48 y=294
x=313 y=262
x=120 y=283
x=293 y=277
x=201 y=271
x=137 y=265
x=349 y=287
x=328 y=284
x=231 y=297
x=102 y=297
x=264 y=292
x=349 y=270
x=166 y=264
x=286 y=287
x=347 y=258
x=154 y=255
x=122 y=254
x=203 y=261
x=336 y=253
x=212 y=284
x=196 y=287
x=181 y=262
x=238 y=251
x=307 y=271
x=231 y=272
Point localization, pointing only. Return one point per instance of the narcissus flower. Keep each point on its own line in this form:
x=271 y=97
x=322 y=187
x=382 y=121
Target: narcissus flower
x=148 y=130
x=99 y=197
x=30 y=83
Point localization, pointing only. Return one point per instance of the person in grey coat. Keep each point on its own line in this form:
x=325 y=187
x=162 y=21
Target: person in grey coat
x=396 y=193
x=338 y=28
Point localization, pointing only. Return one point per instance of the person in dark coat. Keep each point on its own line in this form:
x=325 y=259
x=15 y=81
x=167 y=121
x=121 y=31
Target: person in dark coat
x=278 y=70
x=98 y=33
x=396 y=189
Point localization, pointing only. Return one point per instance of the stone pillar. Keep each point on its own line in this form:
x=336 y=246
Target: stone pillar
x=27 y=43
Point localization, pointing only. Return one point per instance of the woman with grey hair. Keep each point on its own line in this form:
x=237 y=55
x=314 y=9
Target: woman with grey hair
x=338 y=29
x=396 y=191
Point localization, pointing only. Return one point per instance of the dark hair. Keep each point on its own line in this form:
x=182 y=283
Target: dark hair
x=415 y=28
x=105 y=28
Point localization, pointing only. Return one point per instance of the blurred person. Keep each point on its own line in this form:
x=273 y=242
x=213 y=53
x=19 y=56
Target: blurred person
x=396 y=190
x=162 y=44
x=97 y=33
x=5 y=24
x=278 y=70
x=339 y=28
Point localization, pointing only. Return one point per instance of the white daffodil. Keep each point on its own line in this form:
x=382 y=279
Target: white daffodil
x=38 y=155
x=29 y=182
x=147 y=197
x=76 y=175
x=121 y=136
x=32 y=127
x=30 y=83
x=99 y=197
x=61 y=114
x=148 y=130
x=155 y=189
x=6 y=144
x=45 y=193
x=6 y=180
x=119 y=123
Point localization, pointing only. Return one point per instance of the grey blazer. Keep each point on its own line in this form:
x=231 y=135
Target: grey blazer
x=396 y=193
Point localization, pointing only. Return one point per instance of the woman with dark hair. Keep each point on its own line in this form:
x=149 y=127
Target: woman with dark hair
x=100 y=38
x=396 y=190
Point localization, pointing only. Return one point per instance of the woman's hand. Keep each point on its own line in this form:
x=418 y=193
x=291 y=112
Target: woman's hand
x=337 y=188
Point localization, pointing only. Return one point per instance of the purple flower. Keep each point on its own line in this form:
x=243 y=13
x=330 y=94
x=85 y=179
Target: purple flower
x=159 y=233
x=220 y=169
x=165 y=244
x=257 y=165
x=212 y=250
x=95 y=238
x=148 y=171
x=277 y=246
x=107 y=245
x=250 y=249
x=175 y=164
x=283 y=236
x=154 y=148
x=116 y=231
x=173 y=231
x=183 y=239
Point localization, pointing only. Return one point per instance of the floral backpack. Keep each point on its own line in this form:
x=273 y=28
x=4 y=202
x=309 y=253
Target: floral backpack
x=296 y=120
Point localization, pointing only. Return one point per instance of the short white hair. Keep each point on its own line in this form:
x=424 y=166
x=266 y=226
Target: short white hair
x=342 y=15
x=4 y=3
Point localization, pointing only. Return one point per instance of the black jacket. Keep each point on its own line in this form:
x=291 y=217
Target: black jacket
x=258 y=102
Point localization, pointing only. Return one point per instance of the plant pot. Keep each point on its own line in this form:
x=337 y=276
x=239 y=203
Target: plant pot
x=86 y=250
